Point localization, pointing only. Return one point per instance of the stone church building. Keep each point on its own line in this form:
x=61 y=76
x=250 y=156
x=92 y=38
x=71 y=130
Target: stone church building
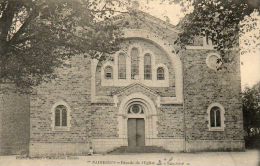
x=146 y=95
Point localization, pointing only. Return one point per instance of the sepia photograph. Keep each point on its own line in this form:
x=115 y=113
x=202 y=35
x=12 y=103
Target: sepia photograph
x=130 y=82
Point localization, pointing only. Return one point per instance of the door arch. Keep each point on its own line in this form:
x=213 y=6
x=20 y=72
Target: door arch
x=149 y=115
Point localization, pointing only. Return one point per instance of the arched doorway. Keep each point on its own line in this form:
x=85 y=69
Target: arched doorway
x=137 y=120
x=136 y=125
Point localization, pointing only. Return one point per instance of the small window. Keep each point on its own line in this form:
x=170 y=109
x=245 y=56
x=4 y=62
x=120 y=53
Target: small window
x=108 y=72
x=160 y=74
x=61 y=116
x=121 y=66
x=147 y=67
x=214 y=61
x=215 y=117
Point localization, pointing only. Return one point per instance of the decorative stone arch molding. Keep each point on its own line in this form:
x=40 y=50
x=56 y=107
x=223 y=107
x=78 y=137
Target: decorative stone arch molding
x=167 y=47
x=134 y=45
x=150 y=116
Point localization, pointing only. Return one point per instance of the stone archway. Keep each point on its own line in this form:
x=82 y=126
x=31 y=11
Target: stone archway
x=167 y=47
x=149 y=115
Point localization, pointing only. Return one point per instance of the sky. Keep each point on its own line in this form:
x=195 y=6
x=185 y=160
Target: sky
x=250 y=62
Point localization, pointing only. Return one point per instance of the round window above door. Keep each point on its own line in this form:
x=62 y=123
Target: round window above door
x=135 y=109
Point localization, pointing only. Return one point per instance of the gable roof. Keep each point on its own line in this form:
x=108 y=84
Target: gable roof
x=148 y=17
x=134 y=85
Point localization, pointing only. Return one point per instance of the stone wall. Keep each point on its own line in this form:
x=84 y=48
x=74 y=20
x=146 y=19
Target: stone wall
x=204 y=86
x=180 y=127
x=170 y=121
x=104 y=121
x=72 y=86
x=14 y=121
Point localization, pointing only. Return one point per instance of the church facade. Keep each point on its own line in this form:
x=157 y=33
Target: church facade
x=147 y=94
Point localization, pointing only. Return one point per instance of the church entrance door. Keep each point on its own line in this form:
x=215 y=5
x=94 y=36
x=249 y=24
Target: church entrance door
x=136 y=132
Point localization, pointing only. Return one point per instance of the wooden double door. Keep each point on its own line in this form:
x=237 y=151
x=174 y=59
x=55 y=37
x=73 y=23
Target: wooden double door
x=136 y=132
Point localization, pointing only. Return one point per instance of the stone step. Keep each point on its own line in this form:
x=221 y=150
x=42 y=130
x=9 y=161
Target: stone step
x=139 y=149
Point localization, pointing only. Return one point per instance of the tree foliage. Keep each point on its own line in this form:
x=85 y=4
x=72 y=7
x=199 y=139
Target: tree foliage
x=251 y=109
x=36 y=35
x=220 y=20
x=250 y=33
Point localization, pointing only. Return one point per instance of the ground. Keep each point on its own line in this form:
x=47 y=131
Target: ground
x=248 y=158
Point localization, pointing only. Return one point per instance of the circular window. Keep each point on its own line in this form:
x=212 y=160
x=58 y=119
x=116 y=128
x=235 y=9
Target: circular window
x=136 y=109
x=213 y=61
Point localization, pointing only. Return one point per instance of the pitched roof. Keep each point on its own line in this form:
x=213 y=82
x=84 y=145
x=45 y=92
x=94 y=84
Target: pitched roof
x=146 y=16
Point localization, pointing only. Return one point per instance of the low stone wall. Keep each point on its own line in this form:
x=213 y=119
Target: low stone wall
x=170 y=144
x=58 y=149
x=14 y=148
x=215 y=145
x=104 y=145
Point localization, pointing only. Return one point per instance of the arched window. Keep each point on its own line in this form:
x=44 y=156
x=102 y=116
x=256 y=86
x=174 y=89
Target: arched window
x=121 y=66
x=108 y=72
x=61 y=116
x=147 y=67
x=160 y=73
x=215 y=117
x=134 y=63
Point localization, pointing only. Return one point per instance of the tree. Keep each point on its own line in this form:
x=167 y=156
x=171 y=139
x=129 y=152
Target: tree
x=220 y=20
x=251 y=110
x=37 y=35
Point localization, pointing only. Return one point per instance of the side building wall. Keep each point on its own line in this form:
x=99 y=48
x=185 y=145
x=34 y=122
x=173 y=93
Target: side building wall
x=14 y=121
x=204 y=86
x=72 y=86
